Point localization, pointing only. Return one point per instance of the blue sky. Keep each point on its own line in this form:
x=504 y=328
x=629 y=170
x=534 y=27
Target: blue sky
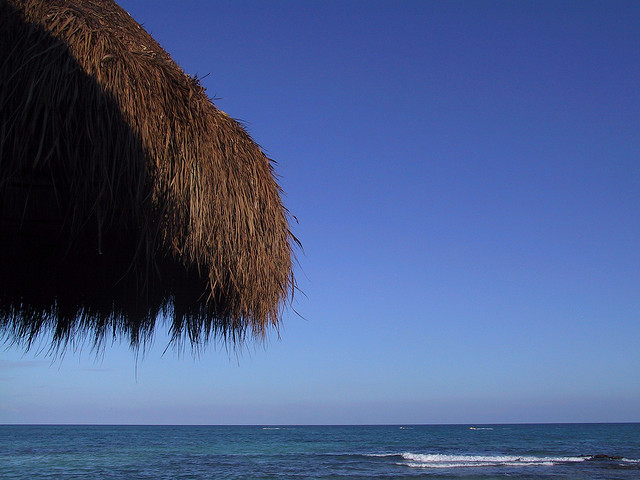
x=466 y=177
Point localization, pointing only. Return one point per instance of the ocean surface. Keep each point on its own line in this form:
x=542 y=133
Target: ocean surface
x=564 y=451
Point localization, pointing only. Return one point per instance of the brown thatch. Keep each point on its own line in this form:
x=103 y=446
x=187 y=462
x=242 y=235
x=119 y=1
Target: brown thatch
x=126 y=196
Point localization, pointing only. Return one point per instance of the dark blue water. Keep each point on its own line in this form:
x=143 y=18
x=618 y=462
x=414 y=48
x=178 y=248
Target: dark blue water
x=584 y=451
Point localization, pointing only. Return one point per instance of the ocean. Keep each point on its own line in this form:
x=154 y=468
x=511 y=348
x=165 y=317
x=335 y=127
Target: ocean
x=536 y=451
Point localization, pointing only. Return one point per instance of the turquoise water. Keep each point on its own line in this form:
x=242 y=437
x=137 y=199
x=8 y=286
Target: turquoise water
x=568 y=451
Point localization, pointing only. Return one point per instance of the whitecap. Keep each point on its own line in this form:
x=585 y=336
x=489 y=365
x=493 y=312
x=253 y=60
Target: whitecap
x=421 y=460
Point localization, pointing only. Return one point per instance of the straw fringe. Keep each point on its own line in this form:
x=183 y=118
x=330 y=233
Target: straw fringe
x=151 y=188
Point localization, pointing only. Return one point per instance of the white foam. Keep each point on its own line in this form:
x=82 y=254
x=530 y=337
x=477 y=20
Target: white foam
x=421 y=460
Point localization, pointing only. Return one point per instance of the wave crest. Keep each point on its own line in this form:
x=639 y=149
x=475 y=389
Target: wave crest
x=424 y=460
x=421 y=460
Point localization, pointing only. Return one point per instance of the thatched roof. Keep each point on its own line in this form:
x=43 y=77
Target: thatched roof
x=126 y=196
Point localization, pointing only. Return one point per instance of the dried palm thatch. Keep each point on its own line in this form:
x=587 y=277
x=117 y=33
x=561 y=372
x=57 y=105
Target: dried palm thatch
x=126 y=196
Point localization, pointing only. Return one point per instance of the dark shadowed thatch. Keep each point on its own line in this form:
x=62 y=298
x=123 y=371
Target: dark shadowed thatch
x=126 y=196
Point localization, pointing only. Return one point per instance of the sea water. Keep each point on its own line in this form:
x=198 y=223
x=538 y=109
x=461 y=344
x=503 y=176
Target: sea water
x=563 y=451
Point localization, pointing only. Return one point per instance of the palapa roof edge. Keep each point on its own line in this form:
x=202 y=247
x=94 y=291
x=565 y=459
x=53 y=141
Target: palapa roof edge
x=198 y=194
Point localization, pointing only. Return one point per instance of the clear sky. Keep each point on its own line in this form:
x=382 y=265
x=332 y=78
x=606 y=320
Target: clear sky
x=466 y=175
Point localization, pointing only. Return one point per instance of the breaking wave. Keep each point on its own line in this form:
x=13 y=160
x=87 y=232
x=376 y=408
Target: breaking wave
x=454 y=461
x=421 y=460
